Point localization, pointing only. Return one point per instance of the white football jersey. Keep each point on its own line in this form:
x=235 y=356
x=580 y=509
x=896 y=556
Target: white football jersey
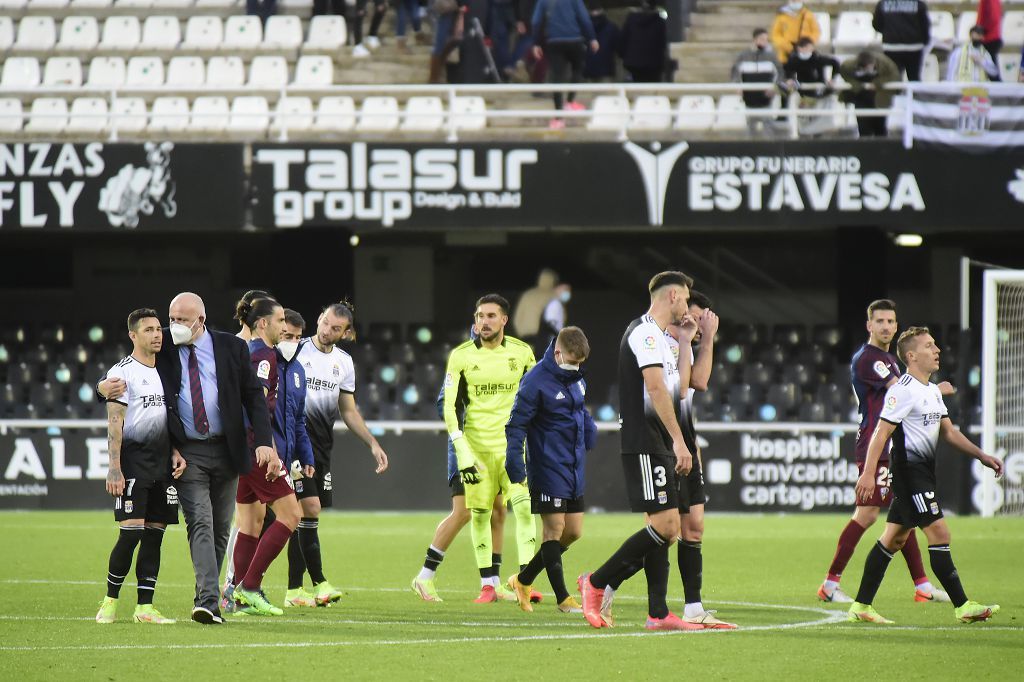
x=644 y=345
x=145 y=443
x=327 y=376
x=917 y=409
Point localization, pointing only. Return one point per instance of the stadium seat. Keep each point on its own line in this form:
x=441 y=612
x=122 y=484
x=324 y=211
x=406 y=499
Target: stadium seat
x=36 y=33
x=423 y=114
x=608 y=112
x=470 y=112
x=1013 y=28
x=137 y=4
x=79 y=34
x=121 y=33
x=210 y=114
x=186 y=72
x=20 y=72
x=268 y=72
x=169 y=115
x=225 y=72
x=854 y=32
x=218 y=4
x=160 y=33
x=283 y=32
x=91 y=5
x=293 y=114
x=730 y=114
x=128 y=114
x=47 y=4
x=11 y=115
x=48 y=115
x=943 y=29
x=88 y=115
x=378 y=114
x=106 y=72
x=812 y=412
x=12 y=5
x=963 y=26
x=930 y=72
x=244 y=32
x=695 y=112
x=783 y=396
x=249 y=115
x=335 y=114
x=314 y=71
x=1009 y=65
x=203 y=33
x=144 y=72
x=651 y=112
x=62 y=71
x=6 y=33
x=326 y=32
x=756 y=374
x=825 y=25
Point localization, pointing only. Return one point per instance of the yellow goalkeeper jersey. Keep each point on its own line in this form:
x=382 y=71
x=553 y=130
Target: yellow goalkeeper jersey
x=485 y=380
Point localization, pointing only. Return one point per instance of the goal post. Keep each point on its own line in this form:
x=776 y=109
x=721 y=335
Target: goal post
x=1002 y=384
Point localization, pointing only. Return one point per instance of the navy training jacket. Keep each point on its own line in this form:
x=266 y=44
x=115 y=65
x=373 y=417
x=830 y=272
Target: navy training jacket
x=290 y=433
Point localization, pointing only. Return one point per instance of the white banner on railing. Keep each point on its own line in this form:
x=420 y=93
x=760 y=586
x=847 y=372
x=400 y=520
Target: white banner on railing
x=972 y=115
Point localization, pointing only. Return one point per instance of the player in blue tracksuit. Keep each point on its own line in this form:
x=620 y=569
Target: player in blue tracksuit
x=549 y=414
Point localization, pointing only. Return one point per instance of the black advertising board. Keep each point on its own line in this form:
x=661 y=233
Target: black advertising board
x=156 y=186
x=745 y=185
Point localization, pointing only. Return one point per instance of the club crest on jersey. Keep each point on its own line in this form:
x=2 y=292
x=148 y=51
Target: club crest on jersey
x=298 y=486
x=172 y=495
x=558 y=503
x=298 y=382
x=935 y=508
x=336 y=371
x=881 y=370
x=128 y=506
x=662 y=497
x=649 y=343
x=512 y=365
x=263 y=369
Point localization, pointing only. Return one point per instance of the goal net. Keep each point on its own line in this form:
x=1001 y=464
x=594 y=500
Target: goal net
x=1002 y=405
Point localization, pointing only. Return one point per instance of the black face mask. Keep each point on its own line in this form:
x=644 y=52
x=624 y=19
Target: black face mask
x=976 y=43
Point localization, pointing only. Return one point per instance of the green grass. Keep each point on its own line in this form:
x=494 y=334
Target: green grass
x=759 y=571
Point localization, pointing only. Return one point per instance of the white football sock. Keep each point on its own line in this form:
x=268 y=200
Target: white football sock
x=831 y=585
x=426 y=574
x=691 y=610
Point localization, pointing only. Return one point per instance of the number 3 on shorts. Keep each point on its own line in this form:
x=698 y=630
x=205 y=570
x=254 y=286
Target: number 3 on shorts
x=659 y=477
x=883 y=477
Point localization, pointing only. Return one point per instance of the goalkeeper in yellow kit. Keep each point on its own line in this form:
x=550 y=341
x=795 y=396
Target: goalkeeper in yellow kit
x=484 y=375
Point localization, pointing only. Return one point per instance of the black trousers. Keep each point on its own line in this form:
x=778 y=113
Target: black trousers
x=329 y=7
x=908 y=63
x=565 y=57
x=993 y=49
x=869 y=126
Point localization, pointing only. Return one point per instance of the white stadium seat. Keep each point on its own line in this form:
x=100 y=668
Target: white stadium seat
x=186 y=72
x=210 y=114
x=963 y=26
x=218 y=4
x=695 y=112
x=48 y=4
x=608 y=112
x=106 y=72
x=651 y=112
x=293 y=114
x=894 y=121
x=1009 y=65
x=378 y=114
x=36 y=33
x=423 y=114
x=135 y=4
x=203 y=33
x=11 y=115
x=730 y=113
x=930 y=72
x=169 y=114
x=12 y=5
x=854 y=32
x=161 y=33
x=128 y=114
x=88 y=115
x=62 y=71
x=249 y=115
x=20 y=72
x=91 y=5
x=335 y=114
x=48 y=115
x=314 y=70
x=470 y=112
x=1013 y=28
x=268 y=72
x=145 y=71
x=225 y=72
x=242 y=33
x=825 y=24
x=943 y=28
x=79 y=34
x=283 y=32
x=6 y=34
x=121 y=33
x=326 y=32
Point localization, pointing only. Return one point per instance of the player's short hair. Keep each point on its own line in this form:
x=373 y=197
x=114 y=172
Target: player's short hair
x=669 y=278
x=496 y=299
x=342 y=308
x=573 y=341
x=246 y=300
x=294 y=319
x=256 y=310
x=136 y=316
x=700 y=299
x=758 y=31
x=906 y=339
x=865 y=59
x=804 y=42
x=881 y=304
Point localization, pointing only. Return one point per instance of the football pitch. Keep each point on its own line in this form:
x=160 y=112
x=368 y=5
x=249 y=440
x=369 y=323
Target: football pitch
x=759 y=571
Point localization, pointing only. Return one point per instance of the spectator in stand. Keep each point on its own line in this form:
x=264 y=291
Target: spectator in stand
x=972 y=63
x=878 y=70
x=409 y=13
x=600 y=65
x=810 y=73
x=793 y=22
x=643 y=44
x=758 y=65
x=447 y=36
x=906 y=30
x=563 y=28
x=990 y=19
x=500 y=25
x=264 y=9
x=372 y=42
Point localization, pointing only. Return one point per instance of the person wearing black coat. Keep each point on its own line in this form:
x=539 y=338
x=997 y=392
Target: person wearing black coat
x=643 y=44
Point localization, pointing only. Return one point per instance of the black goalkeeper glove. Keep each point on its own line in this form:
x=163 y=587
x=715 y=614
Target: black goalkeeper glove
x=470 y=476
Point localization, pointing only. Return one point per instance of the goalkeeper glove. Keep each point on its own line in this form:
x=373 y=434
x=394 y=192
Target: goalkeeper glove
x=470 y=476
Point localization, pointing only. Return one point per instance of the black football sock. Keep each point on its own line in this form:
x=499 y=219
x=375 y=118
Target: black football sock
x=296 y=564
x=874 y=570
x=147 y=566
x=945 y=571
x=551 y=551
x=656 y=568
x=633 y=550
x=529 y=572
x=434 y=558
x=309 y=540
x=496 y=564
x=626 y=574
x=121 y=558
x=691 y=570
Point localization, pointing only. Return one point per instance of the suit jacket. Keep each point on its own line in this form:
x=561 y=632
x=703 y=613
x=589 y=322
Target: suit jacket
x=237 y=389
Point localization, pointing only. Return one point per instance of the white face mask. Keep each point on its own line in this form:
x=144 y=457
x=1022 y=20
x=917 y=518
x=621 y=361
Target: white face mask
x=804 y=55
x=181 y=334
x=287 y=349
x=569 y=368
x=565 y=296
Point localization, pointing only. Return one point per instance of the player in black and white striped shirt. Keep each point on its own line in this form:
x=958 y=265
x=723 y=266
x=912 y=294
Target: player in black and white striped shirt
x=140 y=472
x=914 y=415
